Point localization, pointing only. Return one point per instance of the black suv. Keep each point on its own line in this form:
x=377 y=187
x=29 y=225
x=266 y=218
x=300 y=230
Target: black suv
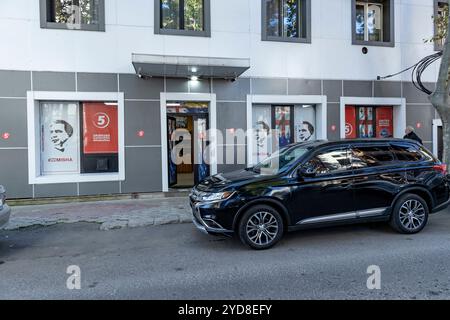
x=321 y=184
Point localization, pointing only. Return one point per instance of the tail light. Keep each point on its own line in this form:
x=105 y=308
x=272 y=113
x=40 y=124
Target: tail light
x=442 y=168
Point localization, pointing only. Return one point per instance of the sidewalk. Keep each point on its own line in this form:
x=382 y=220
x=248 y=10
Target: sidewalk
x=109 y=215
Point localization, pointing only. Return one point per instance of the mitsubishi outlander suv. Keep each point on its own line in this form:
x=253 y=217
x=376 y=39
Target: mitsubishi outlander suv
x=318 y=184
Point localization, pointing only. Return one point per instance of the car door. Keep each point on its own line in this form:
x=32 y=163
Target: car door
x=326 y=195
x=377 y=178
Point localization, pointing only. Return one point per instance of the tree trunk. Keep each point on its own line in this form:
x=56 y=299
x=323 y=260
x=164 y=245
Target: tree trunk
x=440 y=97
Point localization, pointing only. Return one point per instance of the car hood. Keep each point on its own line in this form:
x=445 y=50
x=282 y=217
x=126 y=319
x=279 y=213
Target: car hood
x=231 y=180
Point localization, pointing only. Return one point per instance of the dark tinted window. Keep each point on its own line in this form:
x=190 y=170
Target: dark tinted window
x=410 y=153
x=371 y=156
x=329 y=162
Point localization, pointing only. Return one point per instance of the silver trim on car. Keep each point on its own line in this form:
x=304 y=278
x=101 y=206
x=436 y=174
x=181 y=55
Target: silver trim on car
x=344 y=216
x=202 y=226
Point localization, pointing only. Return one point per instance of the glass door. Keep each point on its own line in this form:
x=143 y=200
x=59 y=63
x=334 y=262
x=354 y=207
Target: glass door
x=171 y=127
x=201 y=156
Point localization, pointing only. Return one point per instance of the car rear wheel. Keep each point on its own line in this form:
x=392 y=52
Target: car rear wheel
x=261 y=227
x=410 y=214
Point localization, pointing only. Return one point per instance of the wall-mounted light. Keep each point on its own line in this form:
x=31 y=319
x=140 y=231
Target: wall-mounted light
x=194 y=78
x=194 y=70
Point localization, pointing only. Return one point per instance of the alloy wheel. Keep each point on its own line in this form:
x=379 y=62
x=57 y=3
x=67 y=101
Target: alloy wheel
x=412 y=214
x=262 y=228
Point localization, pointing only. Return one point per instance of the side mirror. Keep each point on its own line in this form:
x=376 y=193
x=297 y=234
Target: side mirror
x=306 y=172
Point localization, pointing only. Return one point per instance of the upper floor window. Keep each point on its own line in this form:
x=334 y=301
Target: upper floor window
x=440 y=27
x=286 y=20
x=73 y=14
x=183 y=17
x=373 y=22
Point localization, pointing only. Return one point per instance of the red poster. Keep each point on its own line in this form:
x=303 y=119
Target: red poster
x=385 y=119
x=100 y=128
x=350 y=122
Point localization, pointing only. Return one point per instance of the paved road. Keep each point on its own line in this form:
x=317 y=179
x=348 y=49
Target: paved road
x=177 y=262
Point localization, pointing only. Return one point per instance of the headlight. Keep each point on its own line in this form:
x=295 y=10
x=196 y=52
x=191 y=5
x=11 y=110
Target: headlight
x=217 y=196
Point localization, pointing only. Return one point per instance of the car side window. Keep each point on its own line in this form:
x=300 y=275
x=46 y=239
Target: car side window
x=410 y=153
x=328 y=162
x=371 y=156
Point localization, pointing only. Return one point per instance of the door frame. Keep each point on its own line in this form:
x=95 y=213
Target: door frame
x=436 y=123
x=398 y=104
x=188 y=97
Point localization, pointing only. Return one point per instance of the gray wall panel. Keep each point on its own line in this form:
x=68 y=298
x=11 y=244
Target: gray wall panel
x=177 y=85
x=14 y=173
x=13 y=120
x=358 y=88
x=333 y=90
x=239 y=158
x=304 y=87
x=387 y=89
x=423 y=114
x=142 y=115
x=55 y=190
x=136 y=88
x=96 y=188
x=97 y=82
x=231 y=115
x=413 y=95
x=333 y=118
x=269 y=86
x=200 y=86
x=143 y=170
x=232 y=91
x=53 y=81
x=14 y=83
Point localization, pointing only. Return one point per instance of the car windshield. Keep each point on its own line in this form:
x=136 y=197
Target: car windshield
x=281 y=160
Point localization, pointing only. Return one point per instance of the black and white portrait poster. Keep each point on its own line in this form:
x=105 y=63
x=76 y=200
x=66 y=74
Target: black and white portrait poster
x=262 y=140
x=59 y=131
x=305 y=123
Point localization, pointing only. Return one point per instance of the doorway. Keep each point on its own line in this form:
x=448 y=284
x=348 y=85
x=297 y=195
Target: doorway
x=187 y=125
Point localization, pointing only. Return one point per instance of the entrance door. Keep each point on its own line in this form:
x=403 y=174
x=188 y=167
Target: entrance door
x=187 y=125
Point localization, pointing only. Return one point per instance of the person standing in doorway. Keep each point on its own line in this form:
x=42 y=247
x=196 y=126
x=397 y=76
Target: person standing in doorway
x=410 y=134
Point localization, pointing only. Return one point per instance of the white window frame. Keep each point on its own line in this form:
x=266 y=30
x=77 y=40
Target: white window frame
x=34 y=98
x=366 y=18
x=321 y=114
x=399 y=109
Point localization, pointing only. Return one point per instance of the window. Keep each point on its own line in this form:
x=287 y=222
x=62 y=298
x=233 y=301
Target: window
x=286 y=20
x=371 y=156
x=73 y=14
x=78 y=137
x=329 y=162
x=280 y=160
x=410 y=153
x=183 y=17
x=277 y=126
x=75 y=137
x=440 y=9
x=373 y=22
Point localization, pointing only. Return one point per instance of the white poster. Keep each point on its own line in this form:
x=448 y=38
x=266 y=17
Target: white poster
x=262 y=126
x=305 y=123
x=60 y=145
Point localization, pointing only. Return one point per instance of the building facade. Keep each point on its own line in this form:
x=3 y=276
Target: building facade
x=91 y=91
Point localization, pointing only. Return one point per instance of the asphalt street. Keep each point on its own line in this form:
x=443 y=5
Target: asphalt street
x=177 y=262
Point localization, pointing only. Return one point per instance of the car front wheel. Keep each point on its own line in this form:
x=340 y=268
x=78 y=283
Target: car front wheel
x=261 y=227
x=410 y=214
